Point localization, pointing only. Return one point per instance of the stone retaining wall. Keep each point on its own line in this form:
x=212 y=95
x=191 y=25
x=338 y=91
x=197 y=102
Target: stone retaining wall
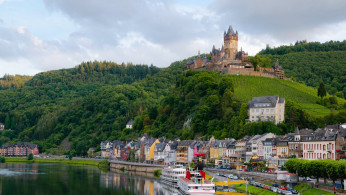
x=136 y=167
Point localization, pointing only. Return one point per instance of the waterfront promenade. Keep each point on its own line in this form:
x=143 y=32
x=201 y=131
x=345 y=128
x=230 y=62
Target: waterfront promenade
x=132 y=166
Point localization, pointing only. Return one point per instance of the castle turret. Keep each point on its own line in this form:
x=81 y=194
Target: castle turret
x=231 y=43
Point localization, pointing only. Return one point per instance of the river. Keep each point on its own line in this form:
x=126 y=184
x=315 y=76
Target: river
x=51 y=179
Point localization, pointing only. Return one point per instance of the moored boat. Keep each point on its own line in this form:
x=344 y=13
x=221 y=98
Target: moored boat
x=195 y=183
x=171 y=174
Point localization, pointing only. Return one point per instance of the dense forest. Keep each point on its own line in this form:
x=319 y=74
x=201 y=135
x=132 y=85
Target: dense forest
x=81 y=106
x=70 y=110
x=13 y=81
x=313 y=63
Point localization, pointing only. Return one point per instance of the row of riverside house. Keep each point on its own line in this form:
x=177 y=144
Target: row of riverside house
x=19 y=149
x=326 y=143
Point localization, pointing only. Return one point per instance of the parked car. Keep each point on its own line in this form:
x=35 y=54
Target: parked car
x=279 y=191
x=283 y=187
x=275 y=189
x=294 y=191
x=266 y=187
x=308 y=179
x=287 y=192
x=275 y=185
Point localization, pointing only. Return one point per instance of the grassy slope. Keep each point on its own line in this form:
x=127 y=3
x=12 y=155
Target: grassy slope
x=247 y=87
x=63 y=161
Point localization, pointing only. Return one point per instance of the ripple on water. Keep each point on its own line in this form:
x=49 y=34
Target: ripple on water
x=7 y=172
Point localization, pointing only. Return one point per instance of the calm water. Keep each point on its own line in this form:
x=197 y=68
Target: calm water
x=52 y=179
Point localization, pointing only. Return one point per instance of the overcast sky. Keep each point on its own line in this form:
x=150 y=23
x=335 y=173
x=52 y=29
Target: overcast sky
x=41 y=35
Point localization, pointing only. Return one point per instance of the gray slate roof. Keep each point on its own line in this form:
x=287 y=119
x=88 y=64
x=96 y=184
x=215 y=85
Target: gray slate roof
x=272 y=100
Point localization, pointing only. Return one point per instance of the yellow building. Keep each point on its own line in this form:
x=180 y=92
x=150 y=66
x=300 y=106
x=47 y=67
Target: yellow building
x=150 y=154
x=214 y=150
x=282 y=149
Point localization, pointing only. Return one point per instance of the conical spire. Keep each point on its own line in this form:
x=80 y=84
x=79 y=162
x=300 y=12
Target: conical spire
x=230 y=30
x=297 y=131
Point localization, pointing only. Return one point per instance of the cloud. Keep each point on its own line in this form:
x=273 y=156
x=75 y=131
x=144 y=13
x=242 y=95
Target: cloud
x=158 y=32
x=284 y=20
x=19 y=46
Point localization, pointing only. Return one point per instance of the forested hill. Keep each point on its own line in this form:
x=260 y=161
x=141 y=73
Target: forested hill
x=71 y=110
x=313 y=63
x=81 y=106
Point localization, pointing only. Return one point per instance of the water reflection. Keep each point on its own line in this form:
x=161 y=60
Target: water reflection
x=137 y=182
x=51 y=179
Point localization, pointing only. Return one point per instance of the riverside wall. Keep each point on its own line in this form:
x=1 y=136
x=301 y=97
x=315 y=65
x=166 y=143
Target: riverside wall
x=136 y=167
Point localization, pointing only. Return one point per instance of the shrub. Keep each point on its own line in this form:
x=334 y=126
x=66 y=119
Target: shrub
x=104 y=163
x=157 y=172
x=30 y=156
x=2 y=159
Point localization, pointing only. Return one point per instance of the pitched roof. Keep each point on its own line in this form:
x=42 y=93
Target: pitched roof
x=272 y=100
x=130 y=122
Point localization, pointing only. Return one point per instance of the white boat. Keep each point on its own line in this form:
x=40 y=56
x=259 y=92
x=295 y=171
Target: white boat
x=171 y=174
x=195 y=183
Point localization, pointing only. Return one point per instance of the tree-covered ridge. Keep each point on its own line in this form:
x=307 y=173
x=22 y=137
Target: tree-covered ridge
x=92 y=103
x=13 y=81
x=304 y=46
x=312 y=68
x=313 y=63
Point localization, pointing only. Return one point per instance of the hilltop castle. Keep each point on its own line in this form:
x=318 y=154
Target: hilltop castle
x=228 y=60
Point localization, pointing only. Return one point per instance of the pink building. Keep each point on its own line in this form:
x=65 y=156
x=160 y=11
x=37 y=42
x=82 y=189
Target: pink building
x=260 y=149
x=322 y=144
x=19 y=149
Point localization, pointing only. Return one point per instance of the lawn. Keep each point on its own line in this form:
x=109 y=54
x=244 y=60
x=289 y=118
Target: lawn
x=254 y=190
x=64 y=161
x=305 y=189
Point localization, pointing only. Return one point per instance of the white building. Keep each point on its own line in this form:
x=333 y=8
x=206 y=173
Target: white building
x=129 y=124
x=266 y=108
x=268 y=148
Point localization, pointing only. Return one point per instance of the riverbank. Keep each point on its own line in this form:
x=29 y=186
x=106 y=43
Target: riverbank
x=89 y=162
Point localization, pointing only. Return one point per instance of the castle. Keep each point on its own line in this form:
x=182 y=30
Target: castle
x=228 y=60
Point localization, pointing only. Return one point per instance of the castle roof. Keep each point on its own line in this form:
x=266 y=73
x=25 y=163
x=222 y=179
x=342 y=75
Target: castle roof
x=230 y=31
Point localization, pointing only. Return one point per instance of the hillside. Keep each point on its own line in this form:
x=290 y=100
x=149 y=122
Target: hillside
x=208 y=103
x=301 y=95
x=86 y=104
x=313 y=63
x=82 y=106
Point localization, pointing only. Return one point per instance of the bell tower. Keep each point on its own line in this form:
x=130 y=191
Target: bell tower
x=230 y=43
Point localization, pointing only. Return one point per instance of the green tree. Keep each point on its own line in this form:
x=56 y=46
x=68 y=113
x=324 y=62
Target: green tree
x=321 y=92
x=332 y=170
x=7 y=121
x=30 y=156
x=2 y=159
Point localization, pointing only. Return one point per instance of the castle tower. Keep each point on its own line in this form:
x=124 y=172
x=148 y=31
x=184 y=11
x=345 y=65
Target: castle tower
x=230 y=43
